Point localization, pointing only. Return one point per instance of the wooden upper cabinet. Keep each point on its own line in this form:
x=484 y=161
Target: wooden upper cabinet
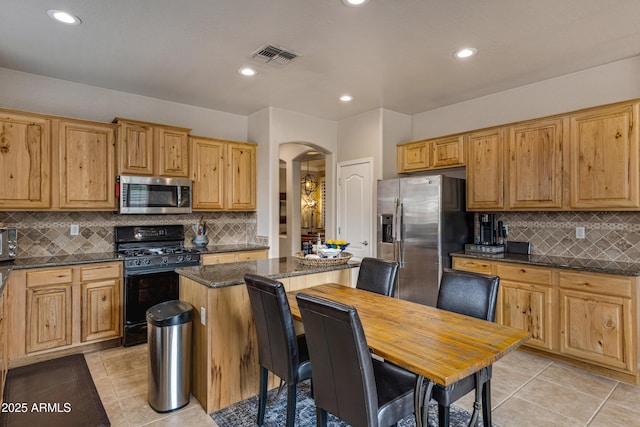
x=87 y=171
x=413 y=156
x=535 y=163
x=152 y=149
x=604 y=158
x=208 y=172
x=173 y=152
x=485 y=170
x=25 y=161
x=135 y=149
x=447 y=152
x=241 y=173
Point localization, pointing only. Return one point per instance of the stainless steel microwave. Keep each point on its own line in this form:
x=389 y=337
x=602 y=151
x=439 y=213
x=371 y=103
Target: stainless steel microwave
x=153 y=195
x=8 y=243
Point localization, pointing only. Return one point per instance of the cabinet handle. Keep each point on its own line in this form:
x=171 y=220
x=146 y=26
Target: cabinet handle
x=104 y=299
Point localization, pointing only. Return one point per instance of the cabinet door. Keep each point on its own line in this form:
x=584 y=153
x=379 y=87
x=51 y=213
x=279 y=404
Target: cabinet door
x=173 y=152
x=48 y=317
x=597 y=328
x=472 y=265
x=447 y=152
x=25 y=162
x=485 y=174
x=528 y=307
x=535 y=165
x=604 y=158
x=87 y=173
x=241 y=175
x=135 y=149
x=4 y=362
x=100 y=310
x=208 y=157
x=413 y=157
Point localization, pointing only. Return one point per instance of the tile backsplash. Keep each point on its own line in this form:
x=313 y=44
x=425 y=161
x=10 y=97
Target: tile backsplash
x=610 y=236
x=48 y=233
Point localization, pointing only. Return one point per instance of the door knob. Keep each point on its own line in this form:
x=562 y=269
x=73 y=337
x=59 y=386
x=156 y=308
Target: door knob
x=365 y=243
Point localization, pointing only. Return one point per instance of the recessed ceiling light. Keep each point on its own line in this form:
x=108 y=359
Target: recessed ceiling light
x=246 y=71
x=354 y=3
x=64 y=17
x=346 y=98
x=465 y=52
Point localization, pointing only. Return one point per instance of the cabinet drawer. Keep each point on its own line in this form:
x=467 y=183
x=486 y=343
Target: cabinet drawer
x=99 y=272
x=252 y=255
x=597 y=283
x=48 y=277
x=522 y=273
x=208 y=259
x=473 y=265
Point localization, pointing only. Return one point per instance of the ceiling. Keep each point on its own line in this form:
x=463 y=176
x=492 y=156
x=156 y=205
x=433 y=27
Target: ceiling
x=395 y=54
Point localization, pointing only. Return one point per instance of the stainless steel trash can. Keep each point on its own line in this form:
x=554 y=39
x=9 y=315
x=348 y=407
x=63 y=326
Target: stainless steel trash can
x=169 y=340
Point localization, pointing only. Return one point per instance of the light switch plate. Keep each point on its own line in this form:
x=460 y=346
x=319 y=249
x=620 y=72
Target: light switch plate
x=580 y=233
x=203 y=316
x=75 y=230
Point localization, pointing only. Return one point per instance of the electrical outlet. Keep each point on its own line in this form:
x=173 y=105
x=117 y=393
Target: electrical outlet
x=580 y=234
x=203 y=316
x=75 y=230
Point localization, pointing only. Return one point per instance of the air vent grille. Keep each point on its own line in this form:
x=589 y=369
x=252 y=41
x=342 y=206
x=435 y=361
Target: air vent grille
x=275 y=56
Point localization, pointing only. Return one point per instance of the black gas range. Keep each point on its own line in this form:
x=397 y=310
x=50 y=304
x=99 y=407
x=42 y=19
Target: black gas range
x=150 y=254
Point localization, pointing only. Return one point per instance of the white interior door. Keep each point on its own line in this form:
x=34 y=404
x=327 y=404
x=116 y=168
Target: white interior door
x=354 y=205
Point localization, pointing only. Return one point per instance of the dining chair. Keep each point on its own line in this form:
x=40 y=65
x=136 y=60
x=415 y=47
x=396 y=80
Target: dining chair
x=279 y=349
x=377 y=275
x=347 y=381
x=471 y=294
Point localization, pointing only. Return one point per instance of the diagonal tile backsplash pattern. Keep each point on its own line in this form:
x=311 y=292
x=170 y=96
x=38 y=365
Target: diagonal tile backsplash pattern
x=48 y=233
x=610 y=236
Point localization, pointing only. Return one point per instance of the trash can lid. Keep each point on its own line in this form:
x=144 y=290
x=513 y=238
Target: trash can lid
x=170 y=313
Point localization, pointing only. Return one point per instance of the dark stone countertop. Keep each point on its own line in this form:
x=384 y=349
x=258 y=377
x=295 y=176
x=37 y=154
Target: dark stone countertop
x=240 y=247
x=579 y=264
x=221 y=275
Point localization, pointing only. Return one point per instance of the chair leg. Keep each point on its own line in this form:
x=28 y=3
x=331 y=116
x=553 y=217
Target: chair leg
x=486 y=404
x=321 y=417
x=443 y=416
x=291 y=405
x=262 y=397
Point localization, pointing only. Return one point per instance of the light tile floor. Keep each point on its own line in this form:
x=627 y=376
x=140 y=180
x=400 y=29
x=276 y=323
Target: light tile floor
x=526 y=390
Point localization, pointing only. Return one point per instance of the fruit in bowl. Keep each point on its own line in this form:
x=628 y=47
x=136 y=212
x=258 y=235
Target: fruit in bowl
x=330 y=252
x=337 y=244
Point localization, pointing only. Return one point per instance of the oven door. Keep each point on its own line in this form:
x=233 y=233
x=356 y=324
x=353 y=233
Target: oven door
x=143 y=290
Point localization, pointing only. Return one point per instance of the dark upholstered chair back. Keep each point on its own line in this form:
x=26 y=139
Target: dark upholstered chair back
x=471 y=294
x=378 y=275
x=343 y=377
x=277 y=344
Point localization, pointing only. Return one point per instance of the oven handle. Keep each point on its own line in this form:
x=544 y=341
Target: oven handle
x=136 y=273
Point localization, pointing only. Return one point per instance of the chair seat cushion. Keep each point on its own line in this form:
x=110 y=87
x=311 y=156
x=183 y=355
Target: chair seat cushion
x=393 y=381
x=304 y=365
x=445 y=396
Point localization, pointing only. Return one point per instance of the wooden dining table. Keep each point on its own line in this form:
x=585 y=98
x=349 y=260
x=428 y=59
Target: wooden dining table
x=440 y=346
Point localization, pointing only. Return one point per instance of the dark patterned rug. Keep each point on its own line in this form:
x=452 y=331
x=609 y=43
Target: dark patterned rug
x=244 y=413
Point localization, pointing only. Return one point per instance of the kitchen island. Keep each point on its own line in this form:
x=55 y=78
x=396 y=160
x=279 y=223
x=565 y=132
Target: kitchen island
x=225 y=367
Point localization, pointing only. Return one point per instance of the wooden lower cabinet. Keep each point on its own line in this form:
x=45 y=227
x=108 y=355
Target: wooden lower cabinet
x=225 y=367
x=59 y=311
x=587 y=319
x=226 y=257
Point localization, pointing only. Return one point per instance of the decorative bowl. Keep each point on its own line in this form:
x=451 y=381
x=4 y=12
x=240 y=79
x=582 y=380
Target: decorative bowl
x=330 y=252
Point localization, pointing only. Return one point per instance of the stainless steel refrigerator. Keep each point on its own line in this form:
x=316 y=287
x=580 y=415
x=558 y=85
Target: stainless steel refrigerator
x=420 y=221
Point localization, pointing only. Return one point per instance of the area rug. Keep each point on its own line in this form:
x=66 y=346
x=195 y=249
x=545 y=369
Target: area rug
x=57 y=392
x=244 y=413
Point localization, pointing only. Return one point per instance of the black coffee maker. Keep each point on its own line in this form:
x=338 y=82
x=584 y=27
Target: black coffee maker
x=487 y=229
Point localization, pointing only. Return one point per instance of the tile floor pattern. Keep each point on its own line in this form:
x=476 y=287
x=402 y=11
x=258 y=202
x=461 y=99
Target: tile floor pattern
x=526 y=390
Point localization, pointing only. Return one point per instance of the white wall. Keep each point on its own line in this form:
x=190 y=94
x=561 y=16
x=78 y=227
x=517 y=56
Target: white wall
x=30 y=92
x=617 y=81
x=396 y=128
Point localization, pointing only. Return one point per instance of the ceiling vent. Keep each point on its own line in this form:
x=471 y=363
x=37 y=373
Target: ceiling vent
x=275 y=56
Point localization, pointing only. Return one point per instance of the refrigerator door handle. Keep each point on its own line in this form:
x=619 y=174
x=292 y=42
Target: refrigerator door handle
x=401 y=232
x=396 y=254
